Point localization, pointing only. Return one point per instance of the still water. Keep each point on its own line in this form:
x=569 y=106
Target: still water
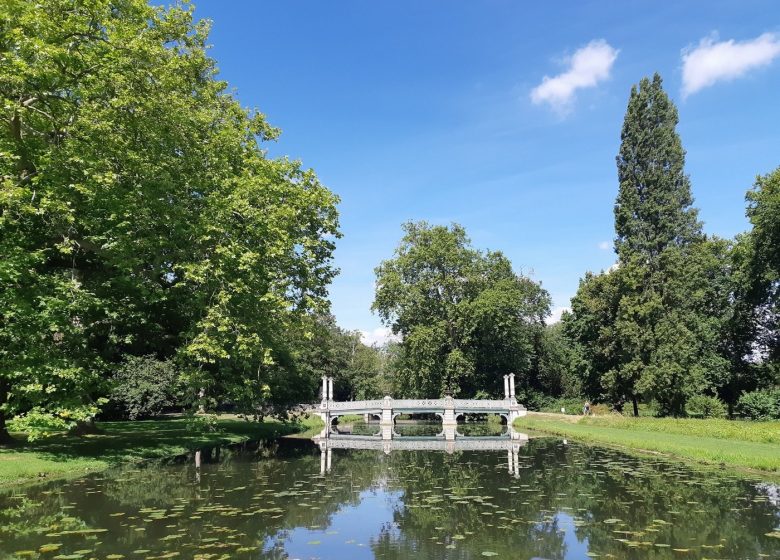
x=541 y=498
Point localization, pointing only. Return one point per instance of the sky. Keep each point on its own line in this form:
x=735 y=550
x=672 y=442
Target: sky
x=503 y=116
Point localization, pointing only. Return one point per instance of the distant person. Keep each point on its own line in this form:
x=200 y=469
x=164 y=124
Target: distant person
x=586 y=409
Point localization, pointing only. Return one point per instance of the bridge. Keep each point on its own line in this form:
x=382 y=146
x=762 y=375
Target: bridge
x=448 y=408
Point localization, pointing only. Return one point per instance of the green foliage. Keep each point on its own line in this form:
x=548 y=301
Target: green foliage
x=144 y=386
x=203 y=423
x=664 y=325
x=763 y=264
x=464 y=316
x=139 y=214
x=359 y=371
x=760 y=405
x=570 y=405
x=653 y=208
x=705 y=406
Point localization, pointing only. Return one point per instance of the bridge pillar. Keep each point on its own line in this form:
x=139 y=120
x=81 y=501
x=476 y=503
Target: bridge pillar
x=506 y=386
x=387 y=412
x=512 y=386
x=448 y=418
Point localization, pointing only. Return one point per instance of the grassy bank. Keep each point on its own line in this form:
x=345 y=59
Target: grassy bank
x=124 y=442
x=745 y=445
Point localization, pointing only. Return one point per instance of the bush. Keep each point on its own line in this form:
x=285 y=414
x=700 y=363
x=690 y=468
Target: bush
x=704 y=406
x=572 y=405
x=600 y=409
x=144 y=387
x=760 y=405
x=40 y=423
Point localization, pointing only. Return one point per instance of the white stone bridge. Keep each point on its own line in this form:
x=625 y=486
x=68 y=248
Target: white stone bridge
x=448 y=408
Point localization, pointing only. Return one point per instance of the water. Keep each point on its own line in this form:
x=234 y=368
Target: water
x=269 y=501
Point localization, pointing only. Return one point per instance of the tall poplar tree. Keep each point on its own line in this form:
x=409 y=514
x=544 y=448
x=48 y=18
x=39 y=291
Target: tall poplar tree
x=653 y=210
x=671 y=307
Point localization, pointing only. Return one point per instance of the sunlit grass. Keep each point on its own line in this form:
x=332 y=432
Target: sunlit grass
x=122 y=442
x=753 y=445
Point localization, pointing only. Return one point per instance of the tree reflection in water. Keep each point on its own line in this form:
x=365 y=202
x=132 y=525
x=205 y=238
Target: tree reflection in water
x=270 y=501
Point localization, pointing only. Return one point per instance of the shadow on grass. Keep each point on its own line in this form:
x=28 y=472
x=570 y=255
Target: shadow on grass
x=120 y=442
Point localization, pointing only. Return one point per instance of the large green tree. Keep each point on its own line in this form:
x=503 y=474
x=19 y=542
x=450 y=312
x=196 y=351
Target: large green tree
x=654 y=327
x=763 y=270
x=464 y=316
x=138 y=213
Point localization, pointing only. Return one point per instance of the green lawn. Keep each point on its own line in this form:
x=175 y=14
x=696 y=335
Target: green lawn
x=739 y=444
x=123 y=442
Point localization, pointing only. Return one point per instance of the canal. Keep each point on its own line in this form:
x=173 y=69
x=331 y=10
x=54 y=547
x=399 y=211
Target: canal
x=270 y=500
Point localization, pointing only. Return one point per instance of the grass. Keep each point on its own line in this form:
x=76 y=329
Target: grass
x=350 y=418
x=126 y=442
x=737 y=444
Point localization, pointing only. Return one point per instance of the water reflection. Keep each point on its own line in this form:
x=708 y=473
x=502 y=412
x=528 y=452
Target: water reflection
x=267 y=501
x=407 y=438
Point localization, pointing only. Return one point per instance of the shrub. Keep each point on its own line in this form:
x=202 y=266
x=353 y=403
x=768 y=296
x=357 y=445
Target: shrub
x=600 y=409
x=144 y=387
x=760 y=405
x=40 y=423
x=704 y=406
x=572 y=405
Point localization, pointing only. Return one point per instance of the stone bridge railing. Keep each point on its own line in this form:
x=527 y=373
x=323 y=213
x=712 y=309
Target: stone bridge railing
x=447 y=408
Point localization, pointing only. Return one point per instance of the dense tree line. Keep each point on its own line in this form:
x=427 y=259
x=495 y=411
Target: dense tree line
x=153 y=255
x=684 y=321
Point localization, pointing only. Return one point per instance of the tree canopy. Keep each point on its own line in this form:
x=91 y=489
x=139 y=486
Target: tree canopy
x=670 y=320
x=138 y=213
x=465 y=318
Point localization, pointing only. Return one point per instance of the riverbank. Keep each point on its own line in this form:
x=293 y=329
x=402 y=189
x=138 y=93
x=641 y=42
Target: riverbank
x=127 y=442
x=736 y=444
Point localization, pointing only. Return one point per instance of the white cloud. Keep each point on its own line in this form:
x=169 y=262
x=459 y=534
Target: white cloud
x=587 y=67
x=556 y=313
x=379 y=336
x=713 y=61
x=605 y=245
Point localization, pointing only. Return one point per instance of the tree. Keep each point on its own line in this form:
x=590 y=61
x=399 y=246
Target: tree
x=653 y=209
x=659 y=327
x=591 y=329
x=325 y=349
x=654 y=327
x=464 y=316
x=143 y=387
x=763 y=266
x=138 y=214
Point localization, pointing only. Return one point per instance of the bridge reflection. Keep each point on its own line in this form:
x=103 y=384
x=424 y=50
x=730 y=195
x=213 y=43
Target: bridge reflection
x=449 y=441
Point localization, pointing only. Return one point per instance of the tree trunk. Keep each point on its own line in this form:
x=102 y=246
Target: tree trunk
x=636 y=405
x=5 y=437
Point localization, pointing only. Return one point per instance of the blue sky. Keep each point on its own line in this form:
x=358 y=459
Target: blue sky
x=440 y=110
